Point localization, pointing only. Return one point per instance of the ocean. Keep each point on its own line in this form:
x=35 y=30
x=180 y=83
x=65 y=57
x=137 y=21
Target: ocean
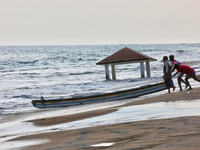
x=29 y=72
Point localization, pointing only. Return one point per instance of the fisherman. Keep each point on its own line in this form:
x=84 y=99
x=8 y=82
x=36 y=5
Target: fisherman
x=190 y=73
x=167 y=74
x=180 y=74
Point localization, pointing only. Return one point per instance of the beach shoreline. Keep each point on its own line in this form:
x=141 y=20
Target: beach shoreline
x=179 y=133
x=173 y=133
x=184 y=95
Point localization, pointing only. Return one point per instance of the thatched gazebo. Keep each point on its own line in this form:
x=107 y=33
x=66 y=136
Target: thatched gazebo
x=124 y=56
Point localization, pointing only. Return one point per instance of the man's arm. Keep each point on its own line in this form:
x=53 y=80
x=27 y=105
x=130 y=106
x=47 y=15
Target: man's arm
x=175 y=74
x=172 y=69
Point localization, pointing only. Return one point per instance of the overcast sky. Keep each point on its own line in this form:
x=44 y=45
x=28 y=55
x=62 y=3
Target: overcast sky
x=83 y=22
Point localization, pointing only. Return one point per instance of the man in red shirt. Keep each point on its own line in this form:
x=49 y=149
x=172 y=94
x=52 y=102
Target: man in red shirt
x=190 y=73
x=180 y=74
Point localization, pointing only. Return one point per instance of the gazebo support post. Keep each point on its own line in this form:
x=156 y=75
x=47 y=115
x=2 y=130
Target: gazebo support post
x=148 y=68
x=113 y=72
x=142 y=69
x=107 y=72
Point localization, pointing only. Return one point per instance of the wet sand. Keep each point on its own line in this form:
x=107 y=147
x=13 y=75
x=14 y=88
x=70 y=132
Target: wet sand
x=173 y=133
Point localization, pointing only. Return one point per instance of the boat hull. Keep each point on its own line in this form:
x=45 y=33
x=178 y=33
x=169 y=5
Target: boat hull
x=119 y=95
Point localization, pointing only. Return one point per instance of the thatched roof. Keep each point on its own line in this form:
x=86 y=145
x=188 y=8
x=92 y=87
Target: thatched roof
x=125 y=55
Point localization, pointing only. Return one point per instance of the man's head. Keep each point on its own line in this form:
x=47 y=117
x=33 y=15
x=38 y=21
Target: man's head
x=176 y=66
x=171 y=57
x=165 y=58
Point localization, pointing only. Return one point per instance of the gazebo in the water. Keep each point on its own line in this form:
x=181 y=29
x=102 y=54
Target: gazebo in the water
x=124 y=56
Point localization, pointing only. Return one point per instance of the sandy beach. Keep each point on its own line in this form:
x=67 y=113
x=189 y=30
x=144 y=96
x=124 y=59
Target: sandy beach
x=171 y=133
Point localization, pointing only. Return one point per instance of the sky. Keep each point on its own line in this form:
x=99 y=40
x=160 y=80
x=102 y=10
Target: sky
x=98 y=22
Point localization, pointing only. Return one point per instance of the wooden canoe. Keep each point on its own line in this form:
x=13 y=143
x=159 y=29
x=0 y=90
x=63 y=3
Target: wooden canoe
x=118 y=95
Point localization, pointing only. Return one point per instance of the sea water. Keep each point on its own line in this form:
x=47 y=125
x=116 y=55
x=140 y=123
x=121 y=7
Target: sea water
x=29 y=72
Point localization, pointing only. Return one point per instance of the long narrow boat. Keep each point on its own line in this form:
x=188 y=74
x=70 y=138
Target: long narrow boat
x=118 y=95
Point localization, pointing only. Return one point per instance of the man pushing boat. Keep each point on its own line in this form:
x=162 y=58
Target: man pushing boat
x=190 y=73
